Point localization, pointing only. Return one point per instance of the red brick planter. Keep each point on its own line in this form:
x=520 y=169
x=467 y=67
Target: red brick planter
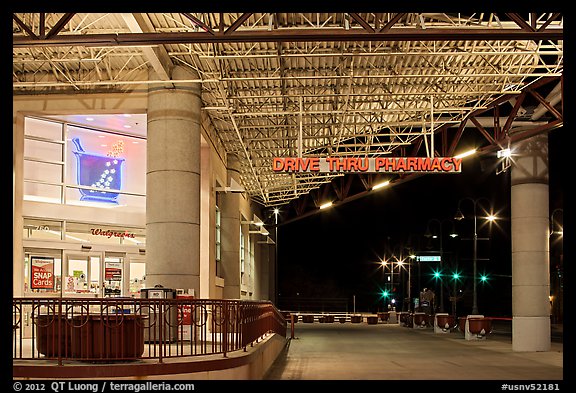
x=372 y=320
x=445 y=322
x=308 y=318
x=480 y=326
x=356 y=318
x=420 y=320
x=384 y=316
x=462 y=324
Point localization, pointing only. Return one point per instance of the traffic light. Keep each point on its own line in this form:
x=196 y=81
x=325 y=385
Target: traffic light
x=484 y=278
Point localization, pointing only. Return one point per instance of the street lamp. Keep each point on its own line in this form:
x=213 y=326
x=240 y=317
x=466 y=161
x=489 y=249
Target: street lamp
x=429 y=233
x=388 y=292
x=402 y=263
x=455 y=278
x=459 y=216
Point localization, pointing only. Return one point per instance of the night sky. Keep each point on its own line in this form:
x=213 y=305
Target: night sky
x=331 y=258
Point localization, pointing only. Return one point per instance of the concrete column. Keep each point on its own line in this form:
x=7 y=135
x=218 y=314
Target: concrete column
x=262 y=270
x=230 y=233
x=173 y=184
x=17 y=201
x=530 y=246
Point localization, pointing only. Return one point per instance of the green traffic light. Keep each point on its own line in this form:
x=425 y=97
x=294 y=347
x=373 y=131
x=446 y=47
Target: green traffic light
x=456 y=276
x=436 y=274
x=385 y=294
x=484 y=278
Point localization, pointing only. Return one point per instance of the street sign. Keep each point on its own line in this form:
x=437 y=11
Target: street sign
x=428 y=258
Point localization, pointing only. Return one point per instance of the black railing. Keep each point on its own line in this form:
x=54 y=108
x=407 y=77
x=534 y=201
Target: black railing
x=122 y=329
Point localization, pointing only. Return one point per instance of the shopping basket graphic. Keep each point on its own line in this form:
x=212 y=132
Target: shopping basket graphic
x=97 y=171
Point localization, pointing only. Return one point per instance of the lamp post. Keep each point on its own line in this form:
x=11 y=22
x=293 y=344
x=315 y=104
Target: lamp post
x=398 y=258
x=390 y=286
x=276 y=212
x=459 y=216
x=429 y=233
x=401 y=264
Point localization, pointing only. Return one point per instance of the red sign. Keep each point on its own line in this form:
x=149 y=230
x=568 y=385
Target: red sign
x=113 y=271
x=185 y=311
x=109 y=233
x=42 y=273
x=367 y=164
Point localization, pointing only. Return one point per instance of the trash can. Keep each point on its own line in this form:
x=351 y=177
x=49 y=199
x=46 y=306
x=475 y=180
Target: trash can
x=162 y=322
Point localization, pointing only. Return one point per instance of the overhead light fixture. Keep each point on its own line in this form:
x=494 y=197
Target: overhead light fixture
x=466 y=153
x=267 y=241
x=380 y=185
x=261 y=231
x=504 y=153
x=257 y=221
x=233 y=187
x=326 y=205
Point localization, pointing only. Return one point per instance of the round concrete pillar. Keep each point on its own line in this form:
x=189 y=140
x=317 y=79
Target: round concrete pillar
x=230 y=232
x=530 y=246
x=173 y=184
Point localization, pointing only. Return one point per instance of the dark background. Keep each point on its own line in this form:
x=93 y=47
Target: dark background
x=330 y=260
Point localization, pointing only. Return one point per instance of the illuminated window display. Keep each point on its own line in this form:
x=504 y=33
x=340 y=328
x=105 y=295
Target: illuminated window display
x=72 y=254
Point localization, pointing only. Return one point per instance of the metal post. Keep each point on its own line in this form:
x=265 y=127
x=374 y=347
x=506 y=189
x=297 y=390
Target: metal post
x=275 y=297
x=409 y=285
x=474 y=268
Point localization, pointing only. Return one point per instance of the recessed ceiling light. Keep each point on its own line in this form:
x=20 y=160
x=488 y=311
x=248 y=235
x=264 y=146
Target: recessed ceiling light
x=89 y=119
x=127 y=126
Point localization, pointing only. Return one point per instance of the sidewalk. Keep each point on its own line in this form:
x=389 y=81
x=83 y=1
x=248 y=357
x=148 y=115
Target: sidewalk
x=333 y=351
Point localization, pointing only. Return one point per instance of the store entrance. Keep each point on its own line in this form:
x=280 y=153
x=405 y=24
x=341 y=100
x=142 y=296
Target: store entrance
x=81 y=274
x=114 y=274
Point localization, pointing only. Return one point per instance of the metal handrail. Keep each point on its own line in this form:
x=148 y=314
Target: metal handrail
x=116 y=329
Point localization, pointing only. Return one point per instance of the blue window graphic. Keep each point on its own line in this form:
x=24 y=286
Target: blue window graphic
x=97 y=171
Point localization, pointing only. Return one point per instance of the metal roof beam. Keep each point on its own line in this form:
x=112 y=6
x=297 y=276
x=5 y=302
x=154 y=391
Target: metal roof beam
x=158 y=57
x=290 y=35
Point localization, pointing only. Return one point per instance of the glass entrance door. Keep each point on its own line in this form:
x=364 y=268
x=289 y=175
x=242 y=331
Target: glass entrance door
x=137 y=271
x=81 y=274
x=114 y=274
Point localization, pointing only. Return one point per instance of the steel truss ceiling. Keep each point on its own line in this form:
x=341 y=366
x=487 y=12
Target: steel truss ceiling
x=315 y=84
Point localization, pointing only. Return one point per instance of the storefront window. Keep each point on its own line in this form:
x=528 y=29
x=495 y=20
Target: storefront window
x=218 y=243
x=242 y=255
x=42 y=229
x=69 y=164
x=105 y=169
x=42 y=272
x=43 y=160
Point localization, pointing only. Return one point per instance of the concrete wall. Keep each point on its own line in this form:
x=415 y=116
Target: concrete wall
x=238 y=365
